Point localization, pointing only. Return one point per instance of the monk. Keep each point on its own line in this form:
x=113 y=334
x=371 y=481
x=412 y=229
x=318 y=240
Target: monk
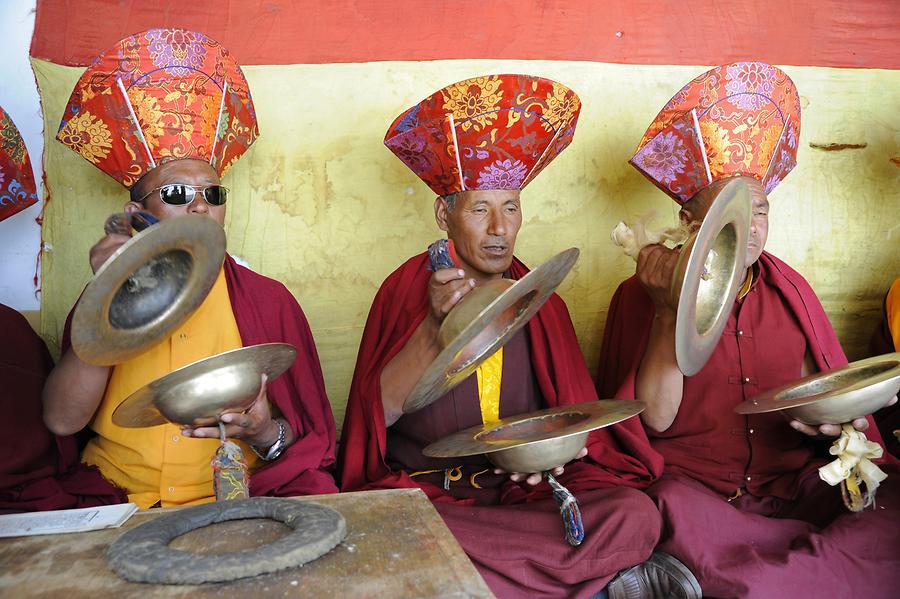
x=477 y=161
x=39 y=470
x=741 y=500
x=288 y=434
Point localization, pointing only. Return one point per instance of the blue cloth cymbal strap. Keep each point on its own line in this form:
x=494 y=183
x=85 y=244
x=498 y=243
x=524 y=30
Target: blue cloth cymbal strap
x=442 y=255
x=121 y=223
x=569 y=511
x=142 y=220
x=229 y=470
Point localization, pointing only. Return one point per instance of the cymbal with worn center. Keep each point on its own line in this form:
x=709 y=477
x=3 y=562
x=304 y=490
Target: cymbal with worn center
x=482 y=322
x=834 y=397
x=708 y=276
x=535 y=441
x=147 y=289
x=204 y=390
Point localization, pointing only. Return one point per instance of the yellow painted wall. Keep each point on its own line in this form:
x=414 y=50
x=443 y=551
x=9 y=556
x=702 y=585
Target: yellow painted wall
x=321 y=205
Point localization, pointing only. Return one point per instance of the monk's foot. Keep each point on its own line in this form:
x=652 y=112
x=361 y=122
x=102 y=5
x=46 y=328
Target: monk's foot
x=662 y=576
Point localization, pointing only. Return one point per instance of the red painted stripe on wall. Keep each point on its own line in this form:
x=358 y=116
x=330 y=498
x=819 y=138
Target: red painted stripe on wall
x=833 y=33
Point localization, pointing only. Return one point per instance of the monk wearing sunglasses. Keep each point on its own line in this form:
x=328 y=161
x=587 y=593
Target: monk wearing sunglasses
x=124 y=122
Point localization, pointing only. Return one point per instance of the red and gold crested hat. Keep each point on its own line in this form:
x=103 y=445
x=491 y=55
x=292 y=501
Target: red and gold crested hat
x=738 y=119
x=17 y=188
x=492 y=132
x=160 y=95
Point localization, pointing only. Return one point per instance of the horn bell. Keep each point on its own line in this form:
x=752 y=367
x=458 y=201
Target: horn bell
x=708 y=276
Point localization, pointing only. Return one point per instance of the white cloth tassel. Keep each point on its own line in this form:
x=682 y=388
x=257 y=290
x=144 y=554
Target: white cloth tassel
x=632 y=239
x=854 y=454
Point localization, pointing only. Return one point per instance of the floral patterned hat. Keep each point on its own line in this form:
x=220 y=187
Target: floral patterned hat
x=492 y=132
x=160 y=95
x=737 y=119
x=17 y=188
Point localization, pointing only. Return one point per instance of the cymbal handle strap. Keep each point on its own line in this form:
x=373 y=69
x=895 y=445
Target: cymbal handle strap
x=569 y=511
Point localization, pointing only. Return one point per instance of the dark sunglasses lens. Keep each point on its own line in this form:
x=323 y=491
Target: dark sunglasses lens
x=215 y=195
x=176 y=195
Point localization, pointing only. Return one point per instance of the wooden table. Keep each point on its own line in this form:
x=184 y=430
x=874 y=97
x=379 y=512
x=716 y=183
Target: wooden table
x=396 y=546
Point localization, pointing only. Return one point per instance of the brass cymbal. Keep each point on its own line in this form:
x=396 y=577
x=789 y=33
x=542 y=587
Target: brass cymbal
x=708 y=275
x=204 y=390
x=147 y=289
x=535 y=441
x=482 y=322
x=834 y=397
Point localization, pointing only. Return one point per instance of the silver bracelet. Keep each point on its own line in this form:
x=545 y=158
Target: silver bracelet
x=277 y=447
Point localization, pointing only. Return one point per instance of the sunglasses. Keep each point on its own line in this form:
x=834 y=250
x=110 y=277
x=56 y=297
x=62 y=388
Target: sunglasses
x=182 y=194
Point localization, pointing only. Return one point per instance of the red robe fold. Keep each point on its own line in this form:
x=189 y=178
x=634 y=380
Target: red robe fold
x=266 y=312
x=622 y=452
x=38 y=470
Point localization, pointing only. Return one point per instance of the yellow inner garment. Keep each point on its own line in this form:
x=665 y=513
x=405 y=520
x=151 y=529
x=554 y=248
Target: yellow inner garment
x=490 y=374
x=748 y=282
x=158 y=464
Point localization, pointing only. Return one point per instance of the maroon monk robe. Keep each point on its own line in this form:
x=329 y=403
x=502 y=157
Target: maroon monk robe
x=459 y=409
x=516 y=541
x=38 y=470
x=266 y=312
x=787 y=532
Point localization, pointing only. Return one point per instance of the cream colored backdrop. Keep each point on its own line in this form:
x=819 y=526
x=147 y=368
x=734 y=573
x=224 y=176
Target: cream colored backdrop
x=321 y=205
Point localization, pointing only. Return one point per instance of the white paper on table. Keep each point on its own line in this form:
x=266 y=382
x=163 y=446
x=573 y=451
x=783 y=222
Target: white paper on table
x=61 y=521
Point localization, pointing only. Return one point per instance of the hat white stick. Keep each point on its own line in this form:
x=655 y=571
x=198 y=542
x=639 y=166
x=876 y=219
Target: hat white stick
x=134 y=119
x=462 y=183
x=212 y=152
x=702 y=145
x=775 y=153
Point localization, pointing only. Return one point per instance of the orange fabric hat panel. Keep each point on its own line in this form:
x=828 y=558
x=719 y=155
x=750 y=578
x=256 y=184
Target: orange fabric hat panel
x=17 y=188
x=492 y=132
x=160 y=95
x=738 y=119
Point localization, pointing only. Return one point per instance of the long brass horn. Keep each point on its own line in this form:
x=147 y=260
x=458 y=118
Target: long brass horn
x=708 y=275
x=147 y=288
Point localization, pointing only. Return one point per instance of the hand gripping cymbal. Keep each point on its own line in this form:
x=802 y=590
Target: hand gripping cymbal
x=147 y=288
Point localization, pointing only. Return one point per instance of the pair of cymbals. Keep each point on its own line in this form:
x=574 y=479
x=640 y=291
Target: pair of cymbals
x=482 y=322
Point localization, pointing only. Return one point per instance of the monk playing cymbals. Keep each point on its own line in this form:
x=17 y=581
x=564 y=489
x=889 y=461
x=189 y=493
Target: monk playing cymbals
x=167 y=123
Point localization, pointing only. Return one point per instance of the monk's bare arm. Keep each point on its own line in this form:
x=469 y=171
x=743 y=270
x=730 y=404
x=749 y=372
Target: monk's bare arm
x=445 y=288
x=72 y=393
x=406 y=368
x=659 y=382
x=74 y=389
